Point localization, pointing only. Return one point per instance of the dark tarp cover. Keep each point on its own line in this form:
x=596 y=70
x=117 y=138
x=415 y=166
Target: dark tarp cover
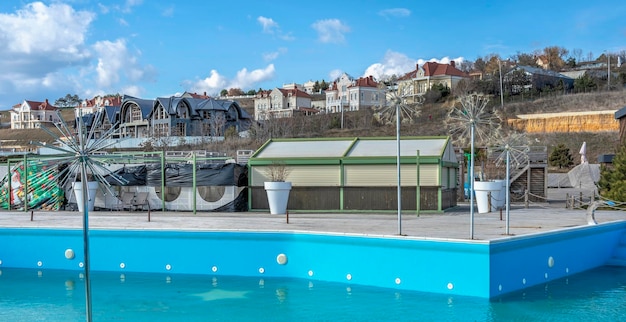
x=128 y=176
x=181 y=175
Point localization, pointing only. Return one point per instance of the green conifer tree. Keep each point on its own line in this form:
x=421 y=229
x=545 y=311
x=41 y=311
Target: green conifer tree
x=561 y=157
x=612 y=182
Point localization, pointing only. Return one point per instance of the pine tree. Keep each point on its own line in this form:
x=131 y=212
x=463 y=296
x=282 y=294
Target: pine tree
x=561 y=157
x=612 y=182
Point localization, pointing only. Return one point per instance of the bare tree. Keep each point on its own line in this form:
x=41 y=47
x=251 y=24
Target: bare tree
x=218 y=122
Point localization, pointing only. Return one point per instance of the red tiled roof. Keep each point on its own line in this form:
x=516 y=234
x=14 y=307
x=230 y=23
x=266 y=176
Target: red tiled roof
x=365 y=82
x=194 y=95
x=435 y=69
x=41 y=106
x=294 y=92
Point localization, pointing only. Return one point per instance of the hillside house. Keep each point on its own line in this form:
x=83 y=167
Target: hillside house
x=182 y=116
x=337 y=97
x=97 y=103
x=282 y=103
x=32 y=114
x=524 y=78
x=417 y=82
x=348 y=94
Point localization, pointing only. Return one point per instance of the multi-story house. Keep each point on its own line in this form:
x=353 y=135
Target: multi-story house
x=134 y=117
x=337 y=98
x=170 y=116
x=417 y=82
x=184 y=116
x=365 y=93
x=348 y=94
x=524 y=78
x=281 y=103
x=97 y=103
x=31 y=115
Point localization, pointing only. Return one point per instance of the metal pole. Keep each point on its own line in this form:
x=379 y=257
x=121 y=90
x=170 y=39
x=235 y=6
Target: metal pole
x=608 y=69
x=341 y=103
x=83 y=170
x=194 y=184
x=508 y=183
x=472 y=181
x=419 y=189
x=501 y=91
x=398 y=169
x=83 y=175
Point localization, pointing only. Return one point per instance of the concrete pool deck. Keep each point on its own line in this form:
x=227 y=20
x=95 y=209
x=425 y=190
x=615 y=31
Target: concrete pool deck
x=453 y=224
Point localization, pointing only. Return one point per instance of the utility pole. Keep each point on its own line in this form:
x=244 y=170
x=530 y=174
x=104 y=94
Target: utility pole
x=501 y=92
x=608 y=69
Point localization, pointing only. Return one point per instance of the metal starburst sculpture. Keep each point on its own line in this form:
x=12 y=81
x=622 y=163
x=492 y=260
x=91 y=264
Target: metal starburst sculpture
x=396 y=108
x=79 y=157
x=512 y=152
x=473 y=119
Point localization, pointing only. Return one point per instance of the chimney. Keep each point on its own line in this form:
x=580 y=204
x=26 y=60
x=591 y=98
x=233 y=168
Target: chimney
x=452 y=63
x=417 y=66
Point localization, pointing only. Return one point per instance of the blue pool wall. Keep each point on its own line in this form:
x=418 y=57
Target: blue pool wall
x=471 y=268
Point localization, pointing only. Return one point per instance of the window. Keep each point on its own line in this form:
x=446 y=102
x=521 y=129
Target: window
x=180 y=129
x=135 y=113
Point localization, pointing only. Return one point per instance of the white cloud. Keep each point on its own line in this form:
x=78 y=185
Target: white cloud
x=330 y=30
x=39 y=42
x=395 y=63
x=395 y=13
x=335 y=73
x=269 y=25
x=273 y=55
x=40 y=28
x=128 y=6
x=114 y=60
x=243 y=80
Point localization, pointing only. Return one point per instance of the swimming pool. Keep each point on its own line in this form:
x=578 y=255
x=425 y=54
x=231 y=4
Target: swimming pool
x=58 y=295
x=485 y=269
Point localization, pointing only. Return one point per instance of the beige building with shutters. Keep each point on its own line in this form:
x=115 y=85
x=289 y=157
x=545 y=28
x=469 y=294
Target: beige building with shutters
x=359 y=174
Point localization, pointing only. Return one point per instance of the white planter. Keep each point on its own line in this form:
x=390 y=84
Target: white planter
x=498 y=198
x=482 y=190
x=92 y=188
x=277 y=196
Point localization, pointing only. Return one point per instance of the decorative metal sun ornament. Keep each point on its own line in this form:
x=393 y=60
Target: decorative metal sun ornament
x=515 y=144
x=396 y=108
x=79 y=157
x=513 y=153
x=394 y=104
x=473 y=120
x=83 y=149
x=473 y=115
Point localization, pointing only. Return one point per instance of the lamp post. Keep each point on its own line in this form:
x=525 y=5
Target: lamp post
x=341 y=104
x=398 y=168
x=472 y=128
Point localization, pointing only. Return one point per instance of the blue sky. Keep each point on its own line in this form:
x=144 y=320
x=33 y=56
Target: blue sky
x=159 y=48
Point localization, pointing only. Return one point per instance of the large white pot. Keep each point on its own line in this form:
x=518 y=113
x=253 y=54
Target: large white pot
x=277 y=196
x=482 y=190
x=498 y=198
x=92 y=188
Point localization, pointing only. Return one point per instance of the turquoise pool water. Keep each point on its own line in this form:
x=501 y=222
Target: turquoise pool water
x=55 y=295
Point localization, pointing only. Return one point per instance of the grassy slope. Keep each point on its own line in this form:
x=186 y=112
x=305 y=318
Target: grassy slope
x=430 y=122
